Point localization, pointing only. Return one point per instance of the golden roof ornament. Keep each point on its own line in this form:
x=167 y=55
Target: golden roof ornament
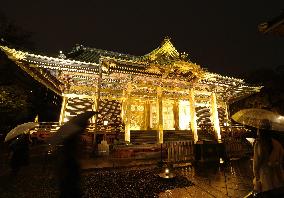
x=61 y=55
x=167 y=61
x=166 y=51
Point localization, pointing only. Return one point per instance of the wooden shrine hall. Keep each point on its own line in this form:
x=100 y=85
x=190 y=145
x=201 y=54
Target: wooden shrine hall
x=160 y=91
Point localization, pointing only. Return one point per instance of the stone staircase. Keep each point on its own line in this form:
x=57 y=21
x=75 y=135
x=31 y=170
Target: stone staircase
x=144 y=136
x=151 y=136
x=205 y=135
x=177 y=135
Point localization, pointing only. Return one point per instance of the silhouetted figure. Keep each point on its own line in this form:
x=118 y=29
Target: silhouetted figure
x=268 y=165
x=69 y=168
x=20 y=152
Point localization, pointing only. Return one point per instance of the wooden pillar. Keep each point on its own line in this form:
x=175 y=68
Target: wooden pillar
x=160 y=114
x=176 y=114
x=152 y=124
x=127 y=111
x=193 y=123
x=62 y=111
x=227 y=111
x=215 y=117
x=98 y=98
x=147 y=115
x=94 y=108
x=123 y=100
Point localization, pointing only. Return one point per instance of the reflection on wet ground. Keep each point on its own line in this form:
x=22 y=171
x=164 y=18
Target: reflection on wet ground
x=233 y=179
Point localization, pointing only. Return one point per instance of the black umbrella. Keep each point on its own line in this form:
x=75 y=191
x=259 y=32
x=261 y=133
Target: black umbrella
x=71 y=128
x=68 y=165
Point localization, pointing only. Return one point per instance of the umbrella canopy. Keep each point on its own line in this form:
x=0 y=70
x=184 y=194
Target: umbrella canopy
x=20 y=129
x=260 y=118
x=74 y=126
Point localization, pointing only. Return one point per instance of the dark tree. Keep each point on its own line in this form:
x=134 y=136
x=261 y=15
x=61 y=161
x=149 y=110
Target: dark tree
x=12 y=34
x=271 y=96
x=21 y=96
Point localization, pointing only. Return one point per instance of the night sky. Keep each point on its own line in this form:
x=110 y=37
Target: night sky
x=219 y=35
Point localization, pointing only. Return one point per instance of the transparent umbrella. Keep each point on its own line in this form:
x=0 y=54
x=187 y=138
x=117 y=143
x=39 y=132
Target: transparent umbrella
x=260 y=118
x=20 y=129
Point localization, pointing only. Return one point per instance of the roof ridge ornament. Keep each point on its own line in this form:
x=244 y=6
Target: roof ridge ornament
x=166 y=39
x=78 y=47
x=61 y=55
x=184 y=57
x=165 y=52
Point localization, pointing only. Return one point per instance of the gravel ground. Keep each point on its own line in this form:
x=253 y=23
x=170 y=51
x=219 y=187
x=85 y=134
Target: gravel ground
x=38 y=180
x=129 y=183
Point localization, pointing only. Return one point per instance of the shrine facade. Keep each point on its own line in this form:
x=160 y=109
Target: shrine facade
x=162 y=90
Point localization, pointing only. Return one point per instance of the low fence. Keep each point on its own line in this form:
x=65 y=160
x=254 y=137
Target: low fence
x=237 y=148
x=176 y=148
x=179 y=151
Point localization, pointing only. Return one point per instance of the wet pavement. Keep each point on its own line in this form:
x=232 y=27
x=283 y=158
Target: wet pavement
x=108 y=177
x=233 y=179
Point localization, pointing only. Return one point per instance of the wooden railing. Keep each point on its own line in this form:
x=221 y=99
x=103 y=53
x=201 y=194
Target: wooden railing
x=237 y=148
x=179 y=151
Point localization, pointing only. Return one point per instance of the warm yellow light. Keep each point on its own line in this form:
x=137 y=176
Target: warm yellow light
x=250 y=140
x=66 y=120
x=167 y=171
x=105 y=122
x=215 y=117
x=184 y=114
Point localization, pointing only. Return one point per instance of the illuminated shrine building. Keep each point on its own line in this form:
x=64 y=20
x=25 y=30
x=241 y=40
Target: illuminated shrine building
x=162 y=90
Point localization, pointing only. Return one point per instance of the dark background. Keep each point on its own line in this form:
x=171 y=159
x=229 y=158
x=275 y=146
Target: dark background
x=220 y=35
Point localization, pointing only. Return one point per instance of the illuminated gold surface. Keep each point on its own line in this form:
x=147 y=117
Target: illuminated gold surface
x=193 y=117
x=215 y=118
x=167 y=78
x=159 y=104
x=127 y=113
x=63 y=106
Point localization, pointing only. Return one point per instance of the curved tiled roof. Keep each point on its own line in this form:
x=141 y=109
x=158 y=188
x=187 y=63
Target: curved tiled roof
x=93 y=55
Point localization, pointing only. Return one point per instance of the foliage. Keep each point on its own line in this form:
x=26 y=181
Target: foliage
x=270 y=97
x=12 y=98
x=21 y=97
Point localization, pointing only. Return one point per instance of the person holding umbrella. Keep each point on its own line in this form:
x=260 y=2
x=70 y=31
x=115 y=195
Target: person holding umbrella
x=20 y=153
x=268 y=162
x=19 y=140
x=268 y=152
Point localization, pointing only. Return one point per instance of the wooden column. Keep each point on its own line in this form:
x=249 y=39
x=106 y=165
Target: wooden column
x=62 y=111
x=160 y=114
x=176 y=114
x=98 y=98
x=215 y=117
x=227 y=111
x=94 y=108
x=127 y=111
x=193 y=124
x=147 y=115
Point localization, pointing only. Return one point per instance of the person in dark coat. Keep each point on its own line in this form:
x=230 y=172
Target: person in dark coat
x=68 y=166
x=69 y=169
x=20 y=152
x=268 y=164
